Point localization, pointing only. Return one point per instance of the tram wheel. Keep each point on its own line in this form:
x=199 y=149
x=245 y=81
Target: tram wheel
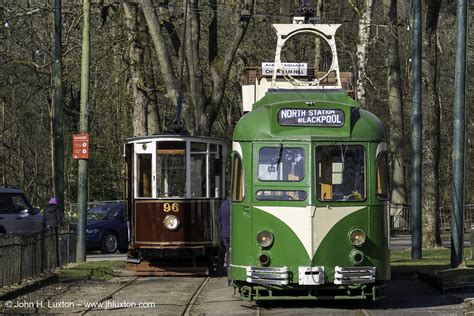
x=109 y=243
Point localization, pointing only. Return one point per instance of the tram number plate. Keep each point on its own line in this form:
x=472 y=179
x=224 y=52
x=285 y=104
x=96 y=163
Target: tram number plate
x=311 y=117
x=167 y=207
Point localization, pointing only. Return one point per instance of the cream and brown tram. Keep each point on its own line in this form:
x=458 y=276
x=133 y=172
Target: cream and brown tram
x=175 y=184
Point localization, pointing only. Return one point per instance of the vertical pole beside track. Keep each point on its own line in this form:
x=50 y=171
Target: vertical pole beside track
x=416 y=135
x=84 y=127
x=58 y=113
x=459 y=140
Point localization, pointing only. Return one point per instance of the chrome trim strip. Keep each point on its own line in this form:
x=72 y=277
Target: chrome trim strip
x=354 y=275
x=267 y=275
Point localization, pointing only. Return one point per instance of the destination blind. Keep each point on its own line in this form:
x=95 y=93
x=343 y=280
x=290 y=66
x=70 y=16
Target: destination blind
x=311 y=117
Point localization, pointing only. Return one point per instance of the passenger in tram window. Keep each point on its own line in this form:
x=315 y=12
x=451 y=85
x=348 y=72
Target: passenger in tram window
x=224 y=218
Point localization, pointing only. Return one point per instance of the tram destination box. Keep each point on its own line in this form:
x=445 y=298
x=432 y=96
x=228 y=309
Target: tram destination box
x=311 y=117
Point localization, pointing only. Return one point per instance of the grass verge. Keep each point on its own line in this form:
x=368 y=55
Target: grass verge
x=96 y=270
x=435 y=262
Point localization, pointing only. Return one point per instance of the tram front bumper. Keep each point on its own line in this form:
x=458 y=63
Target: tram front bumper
x=310 y=275
x=354 y=275
x=267 y=275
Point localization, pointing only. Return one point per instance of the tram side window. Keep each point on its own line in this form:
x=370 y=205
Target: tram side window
x=281 y=164
x=341 y=172
x=144 y=175
x=171 y=169
x=198 y=174
x=381 y=184
x=238 y=180
x=215 y=174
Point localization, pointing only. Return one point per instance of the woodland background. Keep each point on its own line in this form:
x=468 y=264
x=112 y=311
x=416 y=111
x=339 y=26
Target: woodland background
x=134 y=80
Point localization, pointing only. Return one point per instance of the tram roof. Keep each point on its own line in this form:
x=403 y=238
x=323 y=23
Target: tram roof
x=175 y=137
x=262 y=123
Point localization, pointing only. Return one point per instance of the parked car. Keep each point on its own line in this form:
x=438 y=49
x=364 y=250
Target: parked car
x=106 y=228
x=16 y=213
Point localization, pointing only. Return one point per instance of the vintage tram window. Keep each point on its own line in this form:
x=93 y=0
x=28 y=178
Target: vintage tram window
x=381 y=185
x=276 y=195
x=281 y=164
x=198 y=147
x=198 y=175
x=341 y=172
x=171 y=169
x=144 y=175
x=215 y=175
x=238 y=180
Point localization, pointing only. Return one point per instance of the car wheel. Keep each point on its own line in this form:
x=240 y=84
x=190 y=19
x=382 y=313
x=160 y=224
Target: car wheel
x=109 y=243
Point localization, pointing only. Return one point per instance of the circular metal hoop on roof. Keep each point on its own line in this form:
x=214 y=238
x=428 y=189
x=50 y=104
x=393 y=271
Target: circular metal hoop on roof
x=324 y=31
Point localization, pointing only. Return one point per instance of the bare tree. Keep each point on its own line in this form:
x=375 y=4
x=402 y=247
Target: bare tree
x=365 y=23
x=395 y=104
x=206 y=77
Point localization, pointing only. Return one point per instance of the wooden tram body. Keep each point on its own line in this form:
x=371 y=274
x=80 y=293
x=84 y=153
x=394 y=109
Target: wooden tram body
x=175 y=185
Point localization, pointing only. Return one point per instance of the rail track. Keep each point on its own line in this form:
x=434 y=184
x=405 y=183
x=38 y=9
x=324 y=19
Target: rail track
x=188 y=306
x=110 y=294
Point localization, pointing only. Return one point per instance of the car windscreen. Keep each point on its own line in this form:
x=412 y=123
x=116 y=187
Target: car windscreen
x=104 y=212
x=12 y=203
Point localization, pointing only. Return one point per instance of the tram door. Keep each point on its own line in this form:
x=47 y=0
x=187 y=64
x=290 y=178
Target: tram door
x=144 y=170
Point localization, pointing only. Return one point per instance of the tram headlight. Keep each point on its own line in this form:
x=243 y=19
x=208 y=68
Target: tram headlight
x=264 y=238
x=171 y=222
x=357 y=237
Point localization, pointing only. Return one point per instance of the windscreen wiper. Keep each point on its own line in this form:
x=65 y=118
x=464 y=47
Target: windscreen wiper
x=280 y=151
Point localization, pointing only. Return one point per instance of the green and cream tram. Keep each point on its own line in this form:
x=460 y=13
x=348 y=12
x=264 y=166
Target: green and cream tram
x=309 y=190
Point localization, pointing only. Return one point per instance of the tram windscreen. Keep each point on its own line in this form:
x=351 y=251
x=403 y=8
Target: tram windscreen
x=340 y=172
x=281 y=164
x=171 y=169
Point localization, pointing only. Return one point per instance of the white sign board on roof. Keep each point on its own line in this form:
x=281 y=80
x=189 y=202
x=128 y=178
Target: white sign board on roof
x=292 y=69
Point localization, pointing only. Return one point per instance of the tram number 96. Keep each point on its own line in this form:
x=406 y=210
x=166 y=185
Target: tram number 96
x=167 y=207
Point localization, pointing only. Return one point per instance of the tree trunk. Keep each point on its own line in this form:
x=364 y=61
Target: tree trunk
x=168 y=75
x=153 y=110
x=365 y=22
x=395 y=103
x=137 y=81
x=431 y=127
x=317 y=40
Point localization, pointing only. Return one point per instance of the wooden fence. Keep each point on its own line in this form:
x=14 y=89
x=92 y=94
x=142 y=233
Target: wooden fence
x=25 y=256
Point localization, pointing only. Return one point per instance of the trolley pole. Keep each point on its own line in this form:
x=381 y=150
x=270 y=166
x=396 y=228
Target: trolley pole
x=84 y=127
x=459 y=139
x=416 y=139
x=58 y=114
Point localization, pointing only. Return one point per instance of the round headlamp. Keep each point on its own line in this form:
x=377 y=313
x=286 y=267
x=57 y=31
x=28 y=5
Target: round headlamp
x=264 y=238
x=357 y=237
x=171 y=222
